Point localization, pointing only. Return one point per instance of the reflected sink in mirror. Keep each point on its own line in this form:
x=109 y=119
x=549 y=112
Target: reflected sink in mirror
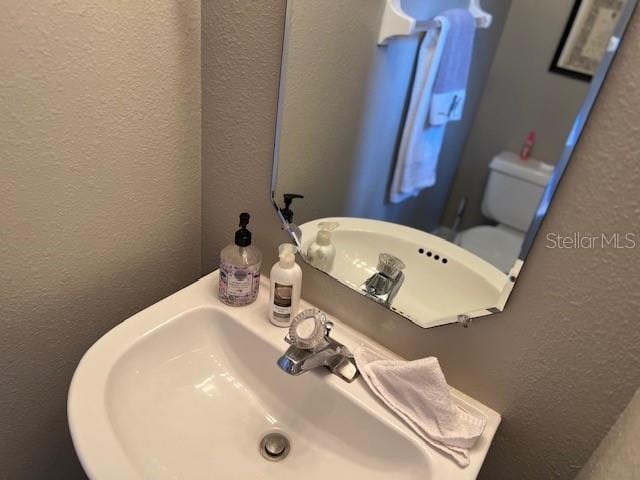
x=189 y=387
x=441 y=280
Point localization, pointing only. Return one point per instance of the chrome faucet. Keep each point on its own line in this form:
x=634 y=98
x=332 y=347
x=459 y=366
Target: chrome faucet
x=384 y=285
x=312 y=347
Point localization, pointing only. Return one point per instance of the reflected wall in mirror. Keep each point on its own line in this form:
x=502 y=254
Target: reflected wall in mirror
x=420 y=142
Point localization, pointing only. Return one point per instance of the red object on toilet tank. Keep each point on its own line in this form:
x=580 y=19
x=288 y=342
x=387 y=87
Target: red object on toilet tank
x=527 y=147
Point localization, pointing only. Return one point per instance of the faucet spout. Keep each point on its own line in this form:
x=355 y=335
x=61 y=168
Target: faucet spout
x=308 y=353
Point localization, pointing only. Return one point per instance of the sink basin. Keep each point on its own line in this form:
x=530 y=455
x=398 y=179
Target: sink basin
x=437 y=287
x=187 y=388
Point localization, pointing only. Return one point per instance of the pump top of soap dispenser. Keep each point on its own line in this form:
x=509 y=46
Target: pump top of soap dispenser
x=243 y=235
x=287 y=254
x=287 y=213
x=324 y=232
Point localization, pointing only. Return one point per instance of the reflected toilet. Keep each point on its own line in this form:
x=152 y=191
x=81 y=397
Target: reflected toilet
x=511 y=197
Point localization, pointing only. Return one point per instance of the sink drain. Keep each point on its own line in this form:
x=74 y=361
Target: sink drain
x=274 y=447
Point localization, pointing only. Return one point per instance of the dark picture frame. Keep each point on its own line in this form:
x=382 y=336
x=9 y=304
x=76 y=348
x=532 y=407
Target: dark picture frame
x=586 y=37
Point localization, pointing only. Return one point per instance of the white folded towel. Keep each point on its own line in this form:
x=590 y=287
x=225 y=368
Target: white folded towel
x=420 y=143
x=438 y=96
x=418 y=393
x=450 y=88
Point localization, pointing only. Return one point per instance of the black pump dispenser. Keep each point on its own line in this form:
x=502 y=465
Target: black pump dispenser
x=243 y=236
x=287 y=213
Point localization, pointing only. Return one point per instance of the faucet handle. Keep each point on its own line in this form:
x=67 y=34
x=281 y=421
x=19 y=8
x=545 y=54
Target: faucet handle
x=309 y=329
x=389 y=265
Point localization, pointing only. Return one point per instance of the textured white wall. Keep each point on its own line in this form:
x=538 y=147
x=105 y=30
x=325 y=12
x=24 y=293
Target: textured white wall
x=99 y=194
x=560 y=363
x=618 y=456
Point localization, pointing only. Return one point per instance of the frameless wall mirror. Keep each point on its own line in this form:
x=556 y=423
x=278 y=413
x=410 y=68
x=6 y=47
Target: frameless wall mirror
x=420 y=142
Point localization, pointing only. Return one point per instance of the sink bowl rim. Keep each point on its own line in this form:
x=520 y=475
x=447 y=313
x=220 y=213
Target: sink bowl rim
x=96 y=443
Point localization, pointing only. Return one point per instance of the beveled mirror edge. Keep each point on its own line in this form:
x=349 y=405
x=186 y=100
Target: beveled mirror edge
x=577 y=130
x=282 y=80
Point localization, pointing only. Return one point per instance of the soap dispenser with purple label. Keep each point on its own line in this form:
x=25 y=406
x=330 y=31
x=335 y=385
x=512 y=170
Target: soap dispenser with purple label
x=240 y=268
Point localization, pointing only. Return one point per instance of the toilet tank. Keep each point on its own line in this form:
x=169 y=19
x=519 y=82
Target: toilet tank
x=514 y=189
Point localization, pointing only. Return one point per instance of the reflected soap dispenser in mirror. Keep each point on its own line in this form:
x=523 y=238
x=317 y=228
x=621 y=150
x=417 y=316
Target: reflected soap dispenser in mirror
x=321 y=253
x=287 y=215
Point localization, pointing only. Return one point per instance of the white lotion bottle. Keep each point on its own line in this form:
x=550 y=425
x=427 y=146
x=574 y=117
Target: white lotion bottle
x=286 y=287
x=321 y=253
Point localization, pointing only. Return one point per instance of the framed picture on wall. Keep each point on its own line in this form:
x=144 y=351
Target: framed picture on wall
x=586 y=37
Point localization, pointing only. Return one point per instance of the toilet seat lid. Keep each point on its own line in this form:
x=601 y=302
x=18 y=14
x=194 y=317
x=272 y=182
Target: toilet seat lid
x=499 y=245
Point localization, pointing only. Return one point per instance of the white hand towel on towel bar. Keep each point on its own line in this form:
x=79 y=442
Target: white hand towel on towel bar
x=421 y=140
x=420 y=144
x=418 y=393
x=450 y=89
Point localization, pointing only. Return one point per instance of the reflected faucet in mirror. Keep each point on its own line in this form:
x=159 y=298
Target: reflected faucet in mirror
x=384 y=285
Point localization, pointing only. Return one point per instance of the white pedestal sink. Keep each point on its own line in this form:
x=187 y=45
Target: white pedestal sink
x=187 y=388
